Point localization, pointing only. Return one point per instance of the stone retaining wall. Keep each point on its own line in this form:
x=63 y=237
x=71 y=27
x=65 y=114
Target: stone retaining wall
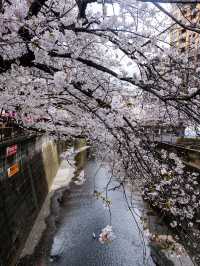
x=27 y=169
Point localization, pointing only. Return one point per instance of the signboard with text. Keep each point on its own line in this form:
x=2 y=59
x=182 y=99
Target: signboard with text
x=13 y=169
x=11 y=150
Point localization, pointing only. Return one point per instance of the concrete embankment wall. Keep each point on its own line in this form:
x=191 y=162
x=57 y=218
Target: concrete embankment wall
x=50 y=156
x=189 y=155
x=27 y=168
x=80 y=158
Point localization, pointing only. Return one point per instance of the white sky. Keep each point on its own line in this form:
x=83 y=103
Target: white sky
x=114 y=10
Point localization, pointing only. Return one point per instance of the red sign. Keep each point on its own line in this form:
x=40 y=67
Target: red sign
x=11 y=150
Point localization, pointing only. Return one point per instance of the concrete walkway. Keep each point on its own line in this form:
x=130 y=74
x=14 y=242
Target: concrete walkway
x=60 y=183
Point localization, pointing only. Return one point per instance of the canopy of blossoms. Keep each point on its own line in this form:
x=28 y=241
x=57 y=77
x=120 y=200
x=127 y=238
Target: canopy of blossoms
x=102 y=70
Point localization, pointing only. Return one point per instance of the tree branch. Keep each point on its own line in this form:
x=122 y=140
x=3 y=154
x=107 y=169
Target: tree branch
x=35 y=7
x=82 y=6
x=176 y=20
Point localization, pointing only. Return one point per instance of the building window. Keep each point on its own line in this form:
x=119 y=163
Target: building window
x=183 y=30
x=182 y=40
x=198 y=57
x=182 y=50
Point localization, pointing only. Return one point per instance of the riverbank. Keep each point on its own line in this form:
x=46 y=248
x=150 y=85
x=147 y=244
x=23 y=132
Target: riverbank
x=175 y=194
x=60 y=184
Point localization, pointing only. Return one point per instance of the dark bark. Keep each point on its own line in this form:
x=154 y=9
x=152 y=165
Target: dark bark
x=25 y=34
x=48 y=69
x=35 y=7
x=25 y=60
x=82 y=6
x=85 y=62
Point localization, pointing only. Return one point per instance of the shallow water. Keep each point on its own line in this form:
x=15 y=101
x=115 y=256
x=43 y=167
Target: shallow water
x=82 y=215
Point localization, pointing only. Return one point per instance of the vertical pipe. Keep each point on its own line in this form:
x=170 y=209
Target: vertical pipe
x=33 y=187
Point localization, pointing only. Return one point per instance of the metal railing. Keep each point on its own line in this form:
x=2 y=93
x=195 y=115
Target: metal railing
x=9 y=129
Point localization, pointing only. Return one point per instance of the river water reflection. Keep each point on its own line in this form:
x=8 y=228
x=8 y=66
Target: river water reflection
x=83 y=214
x=139 y=238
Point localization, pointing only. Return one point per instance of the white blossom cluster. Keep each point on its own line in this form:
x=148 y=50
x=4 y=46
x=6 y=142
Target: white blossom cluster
x=107 y=235
x=176 y=193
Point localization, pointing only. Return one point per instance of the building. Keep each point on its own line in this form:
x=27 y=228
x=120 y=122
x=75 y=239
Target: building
x=184 y=40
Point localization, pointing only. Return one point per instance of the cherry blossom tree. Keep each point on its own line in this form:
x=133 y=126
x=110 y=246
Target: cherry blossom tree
x=102 y=70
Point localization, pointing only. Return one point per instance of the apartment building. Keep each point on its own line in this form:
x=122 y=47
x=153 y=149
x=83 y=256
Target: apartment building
x=185 y=40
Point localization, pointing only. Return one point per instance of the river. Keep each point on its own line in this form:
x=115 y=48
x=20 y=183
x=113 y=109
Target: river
x=73 y=239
